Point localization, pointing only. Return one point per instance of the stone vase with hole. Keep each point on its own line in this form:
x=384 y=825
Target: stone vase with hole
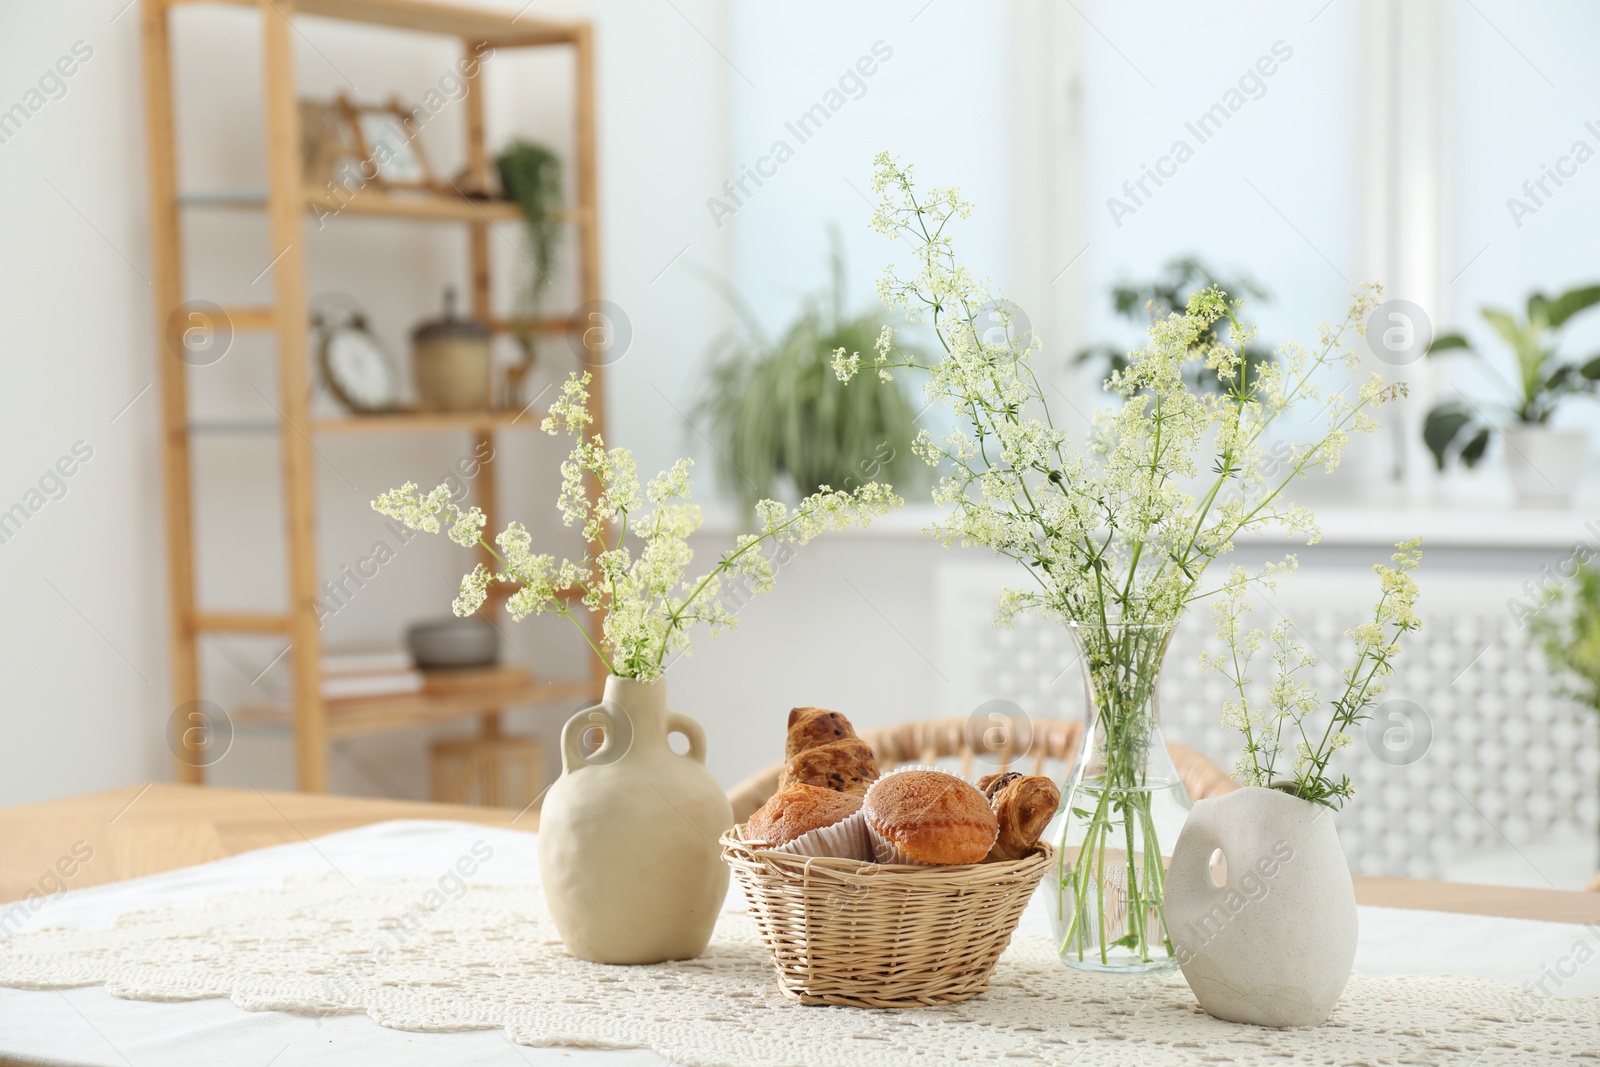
x=628 y=853
x=1261 y=909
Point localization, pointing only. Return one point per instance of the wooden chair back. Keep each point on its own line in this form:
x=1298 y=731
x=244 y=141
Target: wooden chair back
x=1046 y=746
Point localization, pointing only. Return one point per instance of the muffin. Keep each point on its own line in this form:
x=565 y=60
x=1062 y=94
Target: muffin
x=929 y=817
x=845 y=766
x=812 y=727
x=811 y=821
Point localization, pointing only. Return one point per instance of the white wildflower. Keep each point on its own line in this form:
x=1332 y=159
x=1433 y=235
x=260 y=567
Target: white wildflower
x=845 y=366
x=640 y=583
x=1167 y=481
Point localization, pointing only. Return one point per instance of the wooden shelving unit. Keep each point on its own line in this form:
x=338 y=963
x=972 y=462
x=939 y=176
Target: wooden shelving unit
x=465 y=693
x=374 y=202
x=289 y=204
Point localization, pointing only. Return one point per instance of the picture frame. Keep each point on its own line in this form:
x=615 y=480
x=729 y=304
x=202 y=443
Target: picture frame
x=386 y=135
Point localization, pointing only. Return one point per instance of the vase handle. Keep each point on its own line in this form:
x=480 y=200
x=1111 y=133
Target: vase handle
x=610 y=750
x=677 y=722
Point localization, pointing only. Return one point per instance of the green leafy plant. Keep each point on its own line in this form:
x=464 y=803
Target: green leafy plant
x=530 y=174
x=774 y=407
x=1286 y=722
x=640 y=586
x=1146 y=302
x=1568 y=628
x=1459 y=429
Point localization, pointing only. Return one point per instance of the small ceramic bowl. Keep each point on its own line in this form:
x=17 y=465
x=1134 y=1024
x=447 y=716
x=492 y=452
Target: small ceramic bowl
x=453 y=644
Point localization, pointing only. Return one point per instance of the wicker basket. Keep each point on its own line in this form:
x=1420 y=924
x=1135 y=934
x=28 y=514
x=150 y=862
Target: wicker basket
x=874 y=935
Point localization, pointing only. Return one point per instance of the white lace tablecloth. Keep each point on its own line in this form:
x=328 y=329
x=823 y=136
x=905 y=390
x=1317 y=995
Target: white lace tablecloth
x=299 y=926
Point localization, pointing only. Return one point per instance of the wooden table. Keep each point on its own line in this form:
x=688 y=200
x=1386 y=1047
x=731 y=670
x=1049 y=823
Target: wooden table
x=140 y=830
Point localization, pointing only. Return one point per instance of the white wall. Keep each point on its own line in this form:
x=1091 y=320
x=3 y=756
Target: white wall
x=83 y=644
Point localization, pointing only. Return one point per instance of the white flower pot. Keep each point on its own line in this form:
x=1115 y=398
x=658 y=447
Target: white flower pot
x=1273 y=944
x=628 y=853
x=1545 y=465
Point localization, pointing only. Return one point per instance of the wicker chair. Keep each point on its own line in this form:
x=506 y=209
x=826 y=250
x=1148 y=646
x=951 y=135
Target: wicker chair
x=1038 y=744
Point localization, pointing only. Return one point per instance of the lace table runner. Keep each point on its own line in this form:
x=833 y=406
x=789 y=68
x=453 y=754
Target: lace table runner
x=422 y=956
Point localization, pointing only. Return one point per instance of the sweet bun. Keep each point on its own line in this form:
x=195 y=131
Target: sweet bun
x=990 y=784
x=1023 y=807
x=796 y=810
x=929 y=817
x=813 y=727
x=846 y=766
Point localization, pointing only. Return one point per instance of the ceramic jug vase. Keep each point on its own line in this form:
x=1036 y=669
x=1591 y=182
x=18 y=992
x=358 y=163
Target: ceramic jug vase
x=1261 y=909
x=628 y=851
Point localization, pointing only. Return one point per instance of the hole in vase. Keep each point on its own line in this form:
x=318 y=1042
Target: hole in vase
x=591 y=740
x=679 y=743
x=1219 y=868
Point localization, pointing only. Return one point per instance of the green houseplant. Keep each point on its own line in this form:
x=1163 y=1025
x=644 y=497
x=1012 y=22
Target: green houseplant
x=1545 y=464
x=1144 y=302
x=530 y=175
x=1567 y=627
x=775 y=409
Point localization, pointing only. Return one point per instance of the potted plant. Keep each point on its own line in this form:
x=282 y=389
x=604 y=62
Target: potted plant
x=1149 y=301
x=530 y=175
x=1259 y=900
x=1115 y=538
x=628 y=853
x=1545 y=464
x=1567 y=626
x=776 y=411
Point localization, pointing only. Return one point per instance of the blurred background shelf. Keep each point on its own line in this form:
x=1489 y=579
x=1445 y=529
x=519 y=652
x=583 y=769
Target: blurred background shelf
x=504 y=28
x=435 y=207
x=446 y=695
x=426 y=421
x=289 y=201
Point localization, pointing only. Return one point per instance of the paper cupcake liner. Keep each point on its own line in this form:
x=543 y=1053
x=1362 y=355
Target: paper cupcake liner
x=846 y=839
x=886 y=851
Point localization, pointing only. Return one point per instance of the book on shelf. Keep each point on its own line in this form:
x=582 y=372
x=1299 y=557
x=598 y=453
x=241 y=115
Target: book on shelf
x=366 y=661
x=337 y=686
x=349 y=673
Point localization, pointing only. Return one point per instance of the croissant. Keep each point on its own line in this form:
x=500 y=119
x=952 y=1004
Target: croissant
x=847 y=765
x=1024 y=806
x=990 y=784
x=810 y=727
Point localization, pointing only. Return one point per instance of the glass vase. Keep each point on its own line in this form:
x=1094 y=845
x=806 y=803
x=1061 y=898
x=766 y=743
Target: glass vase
x=1123 y=807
